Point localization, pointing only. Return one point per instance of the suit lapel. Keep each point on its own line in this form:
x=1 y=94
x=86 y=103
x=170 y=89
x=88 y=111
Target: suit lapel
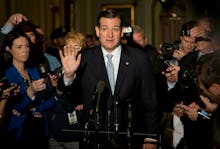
x=123 y=67
x=100 y=72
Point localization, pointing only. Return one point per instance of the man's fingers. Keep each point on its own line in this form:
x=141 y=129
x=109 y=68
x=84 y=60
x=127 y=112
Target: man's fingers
x=186 y=108
x=205 y=100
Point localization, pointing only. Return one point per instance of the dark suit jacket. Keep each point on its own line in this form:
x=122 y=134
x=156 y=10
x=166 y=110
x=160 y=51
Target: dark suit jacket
x=135 y=84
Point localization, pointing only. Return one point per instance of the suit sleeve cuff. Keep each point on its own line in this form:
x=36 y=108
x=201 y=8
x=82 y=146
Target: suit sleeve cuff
x=6 y=29
x=68 y=82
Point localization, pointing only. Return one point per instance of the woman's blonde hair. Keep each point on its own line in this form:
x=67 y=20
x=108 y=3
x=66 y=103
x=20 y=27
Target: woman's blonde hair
x=76 y=37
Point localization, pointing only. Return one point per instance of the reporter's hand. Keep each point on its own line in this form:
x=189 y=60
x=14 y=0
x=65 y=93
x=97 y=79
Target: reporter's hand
x=178 y=111
x=209 y=106
x=38 y=85
x=172 y=73
x=79 y=107
x=7 y=92
x=179 y=54
x=15 y=19
x=35 y=86
x=16 y=113
x=191 y=110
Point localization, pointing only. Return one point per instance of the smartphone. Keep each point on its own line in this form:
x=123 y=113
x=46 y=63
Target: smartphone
x=204 y=113
x=165 y=65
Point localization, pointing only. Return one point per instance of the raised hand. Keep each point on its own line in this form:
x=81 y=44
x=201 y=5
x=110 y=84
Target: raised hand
x=70 y=59
x=15 y=19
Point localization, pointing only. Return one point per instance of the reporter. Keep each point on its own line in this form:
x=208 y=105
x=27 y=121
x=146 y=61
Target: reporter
x=27 y=123
x=209 y=80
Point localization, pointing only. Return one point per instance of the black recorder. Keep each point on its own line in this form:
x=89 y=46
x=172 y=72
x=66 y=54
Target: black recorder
x=6 y=85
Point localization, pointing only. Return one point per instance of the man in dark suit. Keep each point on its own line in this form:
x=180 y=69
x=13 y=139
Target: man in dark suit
x=133 y=89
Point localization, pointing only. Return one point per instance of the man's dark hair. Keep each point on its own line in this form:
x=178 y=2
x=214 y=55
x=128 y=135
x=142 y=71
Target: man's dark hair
x=208 y=69
x=185 y=30
x=109 y=13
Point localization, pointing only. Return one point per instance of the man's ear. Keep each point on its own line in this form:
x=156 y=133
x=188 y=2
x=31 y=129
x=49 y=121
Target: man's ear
x=217 y=88
x=97 y=31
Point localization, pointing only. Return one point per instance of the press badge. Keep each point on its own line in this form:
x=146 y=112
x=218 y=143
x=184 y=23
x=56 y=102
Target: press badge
x=72 y=117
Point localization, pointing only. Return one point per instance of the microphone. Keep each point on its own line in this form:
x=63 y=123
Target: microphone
x=116 y=123
x=129 y=110
x=129 y=127
x=95 y=97
x=100 y=88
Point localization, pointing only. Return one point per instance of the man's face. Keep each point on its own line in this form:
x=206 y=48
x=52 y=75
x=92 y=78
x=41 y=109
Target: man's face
x=139 y=39
x=204 y=44
x=109 y=33
x=187 y=43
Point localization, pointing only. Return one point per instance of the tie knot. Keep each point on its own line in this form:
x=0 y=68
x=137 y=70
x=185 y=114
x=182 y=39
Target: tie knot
x=109 y=56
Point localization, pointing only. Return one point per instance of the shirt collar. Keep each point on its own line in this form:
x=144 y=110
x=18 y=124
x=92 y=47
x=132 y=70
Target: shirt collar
x=115 y=52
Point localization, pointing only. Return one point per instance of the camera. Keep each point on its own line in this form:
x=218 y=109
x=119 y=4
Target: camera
x=127 y=35
x=189 y=87
x=167 y=50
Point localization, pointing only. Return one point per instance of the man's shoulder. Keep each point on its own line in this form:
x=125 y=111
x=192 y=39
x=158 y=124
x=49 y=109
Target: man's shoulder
x=134 y=51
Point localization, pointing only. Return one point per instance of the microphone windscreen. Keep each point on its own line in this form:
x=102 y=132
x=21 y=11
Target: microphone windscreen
x=100 y=86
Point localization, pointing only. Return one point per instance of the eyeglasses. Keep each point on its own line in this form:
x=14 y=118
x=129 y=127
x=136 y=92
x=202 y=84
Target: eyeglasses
x=198 y=39
x=77 y=47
